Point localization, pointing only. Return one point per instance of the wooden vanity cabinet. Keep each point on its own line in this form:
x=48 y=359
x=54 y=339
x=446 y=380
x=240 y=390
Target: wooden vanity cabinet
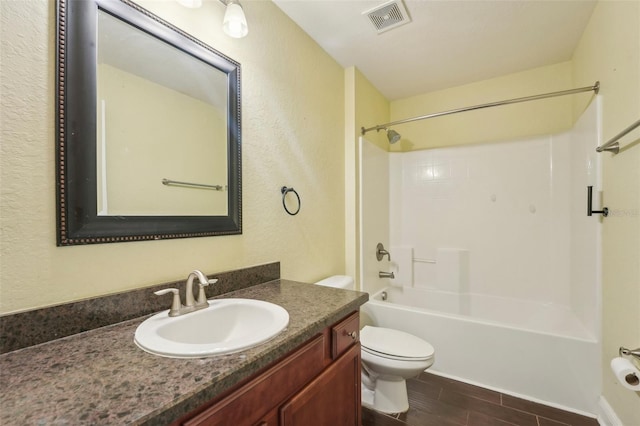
x=317 y=384
x=333 y=398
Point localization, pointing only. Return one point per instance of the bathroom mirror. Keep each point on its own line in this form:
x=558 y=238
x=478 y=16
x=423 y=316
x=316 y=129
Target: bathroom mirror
x=148 y=122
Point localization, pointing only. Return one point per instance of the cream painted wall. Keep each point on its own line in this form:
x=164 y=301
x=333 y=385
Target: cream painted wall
x=371 y=109
x=514 y=121
x=293 y=121
x=364 y=107
x=610 y=52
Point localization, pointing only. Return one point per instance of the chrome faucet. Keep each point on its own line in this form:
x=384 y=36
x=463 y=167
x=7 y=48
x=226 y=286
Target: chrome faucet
x=191 y=304
x=202 y=283
x=386 y=275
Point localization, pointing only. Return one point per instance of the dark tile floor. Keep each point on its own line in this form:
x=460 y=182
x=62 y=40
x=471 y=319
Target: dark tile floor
x=439 y=401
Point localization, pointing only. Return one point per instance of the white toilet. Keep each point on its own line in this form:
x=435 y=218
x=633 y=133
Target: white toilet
x=389 y=357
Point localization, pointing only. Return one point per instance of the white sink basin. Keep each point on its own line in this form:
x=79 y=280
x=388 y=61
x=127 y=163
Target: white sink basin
x=226 y=326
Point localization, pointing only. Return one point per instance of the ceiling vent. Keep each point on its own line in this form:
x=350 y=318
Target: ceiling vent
x=387 y=16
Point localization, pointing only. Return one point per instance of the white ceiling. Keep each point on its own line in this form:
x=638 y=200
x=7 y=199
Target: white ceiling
x=447 y=43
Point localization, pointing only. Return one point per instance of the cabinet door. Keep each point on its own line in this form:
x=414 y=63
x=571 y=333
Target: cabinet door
x=331 y=399
x=253 y=402
x=270 y=419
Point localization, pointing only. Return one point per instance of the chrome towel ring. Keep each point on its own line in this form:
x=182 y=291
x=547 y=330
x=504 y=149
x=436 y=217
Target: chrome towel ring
x=285 y=191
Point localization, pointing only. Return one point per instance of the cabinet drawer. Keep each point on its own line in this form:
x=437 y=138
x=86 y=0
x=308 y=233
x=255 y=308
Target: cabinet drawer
x=250 y=403
x=344 y=334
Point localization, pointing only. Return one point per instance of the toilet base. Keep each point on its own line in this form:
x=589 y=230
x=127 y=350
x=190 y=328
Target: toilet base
x=389 y=396
x=367 y=397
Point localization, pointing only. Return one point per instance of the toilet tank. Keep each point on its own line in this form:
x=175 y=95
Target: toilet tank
x=338 y=281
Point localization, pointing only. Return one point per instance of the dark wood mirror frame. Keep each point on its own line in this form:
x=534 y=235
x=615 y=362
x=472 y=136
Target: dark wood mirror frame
x=78 y=220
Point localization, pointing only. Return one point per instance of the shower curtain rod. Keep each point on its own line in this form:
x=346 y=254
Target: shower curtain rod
x=595 y=88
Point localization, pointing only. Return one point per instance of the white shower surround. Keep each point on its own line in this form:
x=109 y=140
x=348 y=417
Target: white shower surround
x=519 y=208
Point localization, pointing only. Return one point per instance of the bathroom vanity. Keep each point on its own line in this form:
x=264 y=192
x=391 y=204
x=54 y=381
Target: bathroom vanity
x=318 y=383
x=309 y=371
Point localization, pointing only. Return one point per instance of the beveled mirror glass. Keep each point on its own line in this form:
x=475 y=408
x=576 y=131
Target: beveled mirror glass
x=148 y=128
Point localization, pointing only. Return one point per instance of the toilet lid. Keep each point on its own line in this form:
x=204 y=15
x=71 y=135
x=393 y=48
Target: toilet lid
x=395 y=343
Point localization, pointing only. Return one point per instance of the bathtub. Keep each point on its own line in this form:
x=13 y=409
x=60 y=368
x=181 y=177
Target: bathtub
x=535 y=351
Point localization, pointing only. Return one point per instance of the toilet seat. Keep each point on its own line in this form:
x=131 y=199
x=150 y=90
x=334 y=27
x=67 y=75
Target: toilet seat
x=395 y=357
x=394 y=344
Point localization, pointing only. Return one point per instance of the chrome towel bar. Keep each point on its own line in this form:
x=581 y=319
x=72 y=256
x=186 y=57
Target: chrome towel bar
x=613 y=145
x=170 y=182
x=629 y=352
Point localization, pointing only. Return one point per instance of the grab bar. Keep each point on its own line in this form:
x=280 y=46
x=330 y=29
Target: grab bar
x=604 y=212
x=169 y=182
x=613 y=145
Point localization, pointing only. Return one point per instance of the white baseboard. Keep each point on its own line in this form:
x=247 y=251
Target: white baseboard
x=606 y=415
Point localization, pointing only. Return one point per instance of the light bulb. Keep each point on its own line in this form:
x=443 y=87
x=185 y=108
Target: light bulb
x=235 y=23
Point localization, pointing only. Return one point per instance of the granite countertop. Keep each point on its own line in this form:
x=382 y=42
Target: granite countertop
x=102 y=377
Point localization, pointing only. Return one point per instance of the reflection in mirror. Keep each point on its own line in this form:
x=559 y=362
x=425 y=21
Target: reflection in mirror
x=148 y=128
x=161 y=115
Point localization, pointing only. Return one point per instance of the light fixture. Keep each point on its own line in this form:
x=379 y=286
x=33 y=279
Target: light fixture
x=234 y=23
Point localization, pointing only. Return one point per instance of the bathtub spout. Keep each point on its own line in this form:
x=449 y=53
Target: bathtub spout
x=386 y=275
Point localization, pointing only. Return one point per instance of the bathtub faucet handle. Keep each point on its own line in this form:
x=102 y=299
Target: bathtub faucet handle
x=381 y=252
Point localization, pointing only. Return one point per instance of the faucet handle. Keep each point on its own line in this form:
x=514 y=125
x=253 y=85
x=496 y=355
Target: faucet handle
x=381 y=252
x=202 y=297
x=176 y=304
